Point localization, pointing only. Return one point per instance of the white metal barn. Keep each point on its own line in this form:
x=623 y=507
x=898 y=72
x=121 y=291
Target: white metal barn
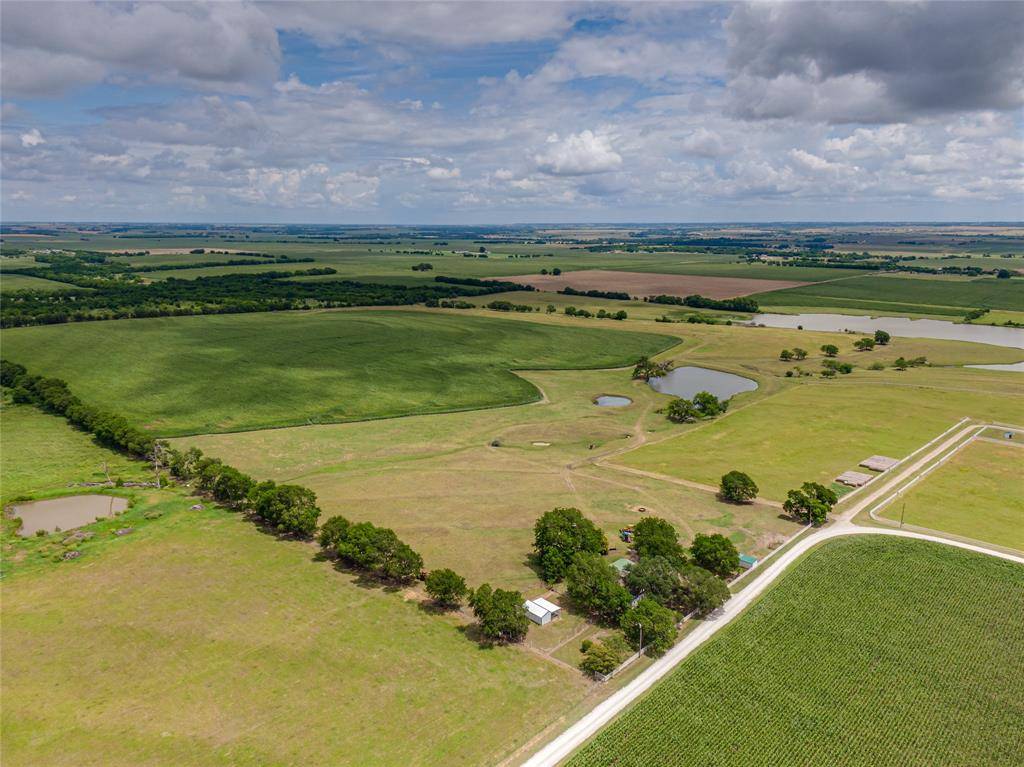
x=541 y=611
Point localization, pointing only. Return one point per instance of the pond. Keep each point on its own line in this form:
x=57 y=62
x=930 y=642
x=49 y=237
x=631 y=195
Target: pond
x=66 y=513
x=898 y=326
x=612 y=400
x=686 y=381
x=1013 y=367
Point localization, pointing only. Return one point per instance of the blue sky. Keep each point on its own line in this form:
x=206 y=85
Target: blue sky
x=511 y=112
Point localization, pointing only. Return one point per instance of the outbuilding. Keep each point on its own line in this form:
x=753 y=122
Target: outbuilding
x=879 y=462
x=622 y=566
x=854 y=478
x=541 y=611
x=747 y=561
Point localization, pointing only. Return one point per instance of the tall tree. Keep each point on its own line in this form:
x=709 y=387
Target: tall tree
x=715 y=553
x=654 y=537
x=811 y=503
x=737 y=487
x=559 y=535
x=593 y=585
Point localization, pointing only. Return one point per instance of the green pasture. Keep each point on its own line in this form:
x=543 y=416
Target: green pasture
x=232 y=372
x=11 y=280
x=870 y=651
x=920 y=294
x=814 y=431
x=200 y=640
x=977 y=494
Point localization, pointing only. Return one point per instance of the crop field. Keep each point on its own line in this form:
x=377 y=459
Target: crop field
x=653 y=284
x=869 y=651
x=231 y=372
x=11 y=280
x=815 y=431
x=926 y=294
x=977 y=494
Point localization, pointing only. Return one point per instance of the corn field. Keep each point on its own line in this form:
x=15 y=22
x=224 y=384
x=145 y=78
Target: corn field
x=871 y=651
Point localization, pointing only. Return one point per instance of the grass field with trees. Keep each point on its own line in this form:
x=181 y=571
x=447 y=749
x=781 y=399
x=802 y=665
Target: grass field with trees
x=871 y=650
x=223 y=373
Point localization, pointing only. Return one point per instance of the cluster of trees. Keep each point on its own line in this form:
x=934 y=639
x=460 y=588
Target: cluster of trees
x=811 y=504
x=602 y=314
x=508 y=306
x=830 y=367
x=668 y=580
x=499 y=613
x=703 y=405
x=903 y=364
x=796 y=354
x=556 y=271
x=700 y=302
x=646 y=369
x=423 y=267
x=372 y=549
x=617 y=295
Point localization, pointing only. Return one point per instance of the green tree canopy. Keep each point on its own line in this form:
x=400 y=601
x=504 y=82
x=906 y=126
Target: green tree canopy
x=656 y=625
x=654 y=537
x=593 y=585
x=499 y=613
x=882 y=338
x=715 y=553
x=811 y=503
x=830 y=350
x=559 y=535
x=737 y=487
x=446 y=587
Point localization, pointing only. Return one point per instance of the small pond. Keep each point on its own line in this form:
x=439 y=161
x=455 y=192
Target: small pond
x=687 y=381
x=66 y=513
x=612 y=400
x=898 y=326
x=1012 y=367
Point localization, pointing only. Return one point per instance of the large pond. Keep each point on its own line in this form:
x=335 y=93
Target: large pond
x=687 y=381
x=898 y=326
x=66 y=513
x=1012 y=367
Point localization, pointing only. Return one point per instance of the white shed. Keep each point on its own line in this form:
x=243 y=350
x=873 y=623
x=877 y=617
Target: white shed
x=541 y=611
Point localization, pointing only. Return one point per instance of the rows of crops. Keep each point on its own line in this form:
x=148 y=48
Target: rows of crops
x=872 y=651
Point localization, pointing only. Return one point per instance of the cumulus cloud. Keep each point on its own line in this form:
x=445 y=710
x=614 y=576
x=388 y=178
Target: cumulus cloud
x=32 y=138
x=875 y=62
x=578 y=154
x=443 y=174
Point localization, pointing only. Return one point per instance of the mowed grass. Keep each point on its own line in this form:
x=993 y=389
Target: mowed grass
x=926 y=294
x=815 y=431
x=871 y=651
x=977 y=494
x=42 y=453
x=205 y=641
x=186 y=375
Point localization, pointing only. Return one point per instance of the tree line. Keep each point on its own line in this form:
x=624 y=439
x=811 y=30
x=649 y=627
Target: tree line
x=700 y=302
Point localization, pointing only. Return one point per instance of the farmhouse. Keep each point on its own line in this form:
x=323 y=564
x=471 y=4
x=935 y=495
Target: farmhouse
x=879 y=463
x=854 y=478
x=541 y=611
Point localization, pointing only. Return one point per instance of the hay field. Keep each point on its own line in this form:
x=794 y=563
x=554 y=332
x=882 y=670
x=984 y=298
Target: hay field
x=868 y=651
x=230 y=372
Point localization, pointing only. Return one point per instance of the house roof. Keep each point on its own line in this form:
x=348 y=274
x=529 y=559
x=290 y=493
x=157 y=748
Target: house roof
x=621 y=564
x=748 y=559
x=535 y=609
x=551 y=607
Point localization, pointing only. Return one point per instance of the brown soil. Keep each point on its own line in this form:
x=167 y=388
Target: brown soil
x=653 y=284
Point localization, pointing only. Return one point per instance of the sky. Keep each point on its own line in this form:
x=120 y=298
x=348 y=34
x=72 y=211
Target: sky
x=506 y=112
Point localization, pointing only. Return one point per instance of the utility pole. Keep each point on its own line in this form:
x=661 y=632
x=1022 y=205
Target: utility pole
x=640 y=651
x=902 y=512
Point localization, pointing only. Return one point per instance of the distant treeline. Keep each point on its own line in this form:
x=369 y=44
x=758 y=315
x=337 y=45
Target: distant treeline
x=613 y=294
x=102 y=295
x=700 y=302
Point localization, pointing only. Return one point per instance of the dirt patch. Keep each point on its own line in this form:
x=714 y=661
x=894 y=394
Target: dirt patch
x=652 y=283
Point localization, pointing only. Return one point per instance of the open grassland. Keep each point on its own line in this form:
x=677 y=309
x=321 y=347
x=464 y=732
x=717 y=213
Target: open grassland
x=920 y=294
x=11 y=280
x=652 y=283
x=200 y=640
x=869 y=651
x=977 y=494
x=220 y=373
x=815 y=431
x=41 y=453
x=466 y=504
